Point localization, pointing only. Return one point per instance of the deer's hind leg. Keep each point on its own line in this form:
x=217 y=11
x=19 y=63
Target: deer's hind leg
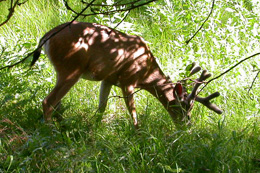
x=64 y=82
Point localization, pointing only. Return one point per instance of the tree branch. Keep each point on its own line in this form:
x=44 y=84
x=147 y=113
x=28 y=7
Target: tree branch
x=213 y=3
x=116 y=4
x=89 y=5
x=121 y=20
x=228 y=70
x=253 y=81
x=131 y=4
x=22 y=60
x=11 y=10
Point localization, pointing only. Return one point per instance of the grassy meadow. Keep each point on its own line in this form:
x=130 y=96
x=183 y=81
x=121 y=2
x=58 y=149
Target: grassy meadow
x=229 y=142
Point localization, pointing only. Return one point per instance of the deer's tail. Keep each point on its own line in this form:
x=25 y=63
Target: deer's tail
x=36 y=55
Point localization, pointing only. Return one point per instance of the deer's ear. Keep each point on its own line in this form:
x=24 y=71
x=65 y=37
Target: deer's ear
x=178 y=89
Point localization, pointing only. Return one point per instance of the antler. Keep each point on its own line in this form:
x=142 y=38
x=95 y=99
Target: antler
x=205 y=101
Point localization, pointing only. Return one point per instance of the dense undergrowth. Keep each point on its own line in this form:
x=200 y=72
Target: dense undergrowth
x=81 y=143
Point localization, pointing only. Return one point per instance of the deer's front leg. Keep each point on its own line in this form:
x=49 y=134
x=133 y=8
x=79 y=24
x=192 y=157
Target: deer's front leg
x=103 y=95
x=128 y=93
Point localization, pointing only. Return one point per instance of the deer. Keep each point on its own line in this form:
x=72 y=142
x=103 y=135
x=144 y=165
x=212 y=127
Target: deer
x=99 y=53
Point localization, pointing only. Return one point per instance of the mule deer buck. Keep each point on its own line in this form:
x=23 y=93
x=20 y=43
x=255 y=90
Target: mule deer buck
x=99 y=53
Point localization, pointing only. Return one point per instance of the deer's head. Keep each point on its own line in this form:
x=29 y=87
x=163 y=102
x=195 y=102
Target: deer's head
x=181 y=108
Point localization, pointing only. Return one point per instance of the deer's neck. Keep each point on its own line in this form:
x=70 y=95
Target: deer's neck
x=159 y=86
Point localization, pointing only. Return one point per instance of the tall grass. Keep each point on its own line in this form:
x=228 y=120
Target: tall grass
x=81 y=143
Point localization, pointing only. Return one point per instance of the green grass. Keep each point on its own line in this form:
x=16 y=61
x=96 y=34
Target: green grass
x=81 y=143
x=215 y=143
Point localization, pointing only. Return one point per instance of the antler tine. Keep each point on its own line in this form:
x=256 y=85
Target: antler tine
x=206 y=101
x=195 y=70
x=204 y=75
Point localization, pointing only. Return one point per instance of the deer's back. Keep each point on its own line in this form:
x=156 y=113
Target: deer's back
x=100 y=52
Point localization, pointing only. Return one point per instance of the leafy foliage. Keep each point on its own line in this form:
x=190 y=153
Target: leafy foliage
x=81 y=143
